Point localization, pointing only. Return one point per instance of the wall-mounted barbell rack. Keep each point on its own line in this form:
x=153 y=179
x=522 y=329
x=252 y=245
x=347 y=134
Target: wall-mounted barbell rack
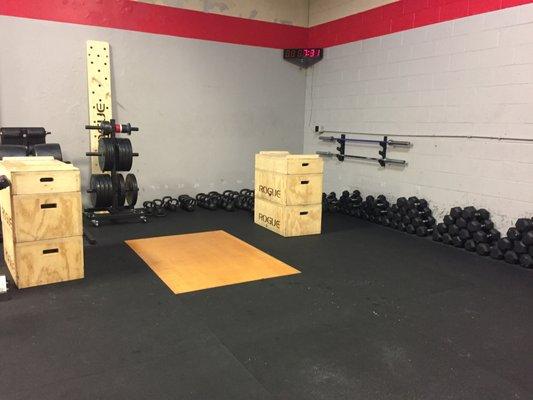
x=113 y=197
x=383 y=143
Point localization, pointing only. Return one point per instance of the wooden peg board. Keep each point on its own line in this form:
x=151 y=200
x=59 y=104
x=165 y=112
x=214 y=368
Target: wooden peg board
x=99 y=90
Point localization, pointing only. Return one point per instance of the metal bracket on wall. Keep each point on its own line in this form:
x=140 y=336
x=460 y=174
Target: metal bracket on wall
x=99 y=90
x=384 y=143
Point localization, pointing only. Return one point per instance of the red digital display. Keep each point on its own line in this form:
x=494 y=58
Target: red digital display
x=302 y=53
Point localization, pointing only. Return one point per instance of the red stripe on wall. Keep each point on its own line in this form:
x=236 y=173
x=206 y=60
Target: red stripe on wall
x=142 y=17
x=400 y=16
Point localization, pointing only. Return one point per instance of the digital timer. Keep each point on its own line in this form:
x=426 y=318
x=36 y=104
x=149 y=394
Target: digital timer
x=304 y=58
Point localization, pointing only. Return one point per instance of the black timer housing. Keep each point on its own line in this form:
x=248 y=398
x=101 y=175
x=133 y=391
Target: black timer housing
x=303 y=58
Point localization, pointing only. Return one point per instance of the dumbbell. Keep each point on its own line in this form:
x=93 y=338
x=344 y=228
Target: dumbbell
x=410 y=228
x=470 y=245
x=486 y=225
x=511 y=257
x=461 y=222
x=486 y=237
x=424 y=230
x=483 y=249
x=447 y=238
x=437 y=236
x=416 y=213
x=456 y=212
x=401 y=202
x=514 y=234
x=470 y=213
x=453 y=230
x=527 y=238
x=415 y=202
x=429 y=221
x=505 y=244
x=526 y=261
x=496 y=253
x=457 y=241
x=464 y=234
x=524 y=225
x=449 y=220
x=406 y=220
x=519 y=247
x=442 y=228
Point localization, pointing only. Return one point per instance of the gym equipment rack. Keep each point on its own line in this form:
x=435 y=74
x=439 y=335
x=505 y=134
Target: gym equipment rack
x=384 y=144
x=117 y=210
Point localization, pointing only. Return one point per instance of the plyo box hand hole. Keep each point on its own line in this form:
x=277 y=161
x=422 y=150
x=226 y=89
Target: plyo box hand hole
x=51 y=251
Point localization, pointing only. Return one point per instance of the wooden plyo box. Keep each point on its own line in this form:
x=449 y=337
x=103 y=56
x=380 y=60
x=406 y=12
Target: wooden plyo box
x=288 y=192
x=288 y=220
x=288 y=179
x=41 y=220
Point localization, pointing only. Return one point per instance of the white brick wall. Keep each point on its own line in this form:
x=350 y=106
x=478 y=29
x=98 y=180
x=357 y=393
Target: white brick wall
x=471 y=76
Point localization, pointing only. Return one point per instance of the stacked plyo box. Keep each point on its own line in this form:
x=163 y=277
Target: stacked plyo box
x=41 y=220
x=288 y=193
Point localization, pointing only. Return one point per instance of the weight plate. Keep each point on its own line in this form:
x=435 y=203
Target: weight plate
x=101 y=190
x=121 y=190
x=125 y=154
x=48 y=149
x=132 y=190
x=106 y=158
x=12 y=150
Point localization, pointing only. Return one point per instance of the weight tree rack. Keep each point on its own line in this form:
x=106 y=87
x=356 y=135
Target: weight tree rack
x=109 y=196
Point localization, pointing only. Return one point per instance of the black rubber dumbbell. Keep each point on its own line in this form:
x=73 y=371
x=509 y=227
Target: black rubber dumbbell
x=424 y=230
x=401 y=202
x=485 y=225
x=505 y=244
x=461 y=222
x=458 y=242
x=496 y=253
x=470 y=245
x=430 y=221
x=519 y=247
x=486 y=237
x=524 y=225
x=527 y=238
x=526 y=261
x=415 y=202
x=464 y=234
x=471 y=213
x=453 y=230
x=442 y=228
x=447 y=238
x=456 y=212
x=511 y=257
x=410 y=228
x=449 y=220
x=437 y=236
x=514 y=234
x=483 y=249
x=415 y=213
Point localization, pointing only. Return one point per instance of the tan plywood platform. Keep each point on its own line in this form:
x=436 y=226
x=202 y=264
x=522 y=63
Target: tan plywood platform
x=205 y=260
